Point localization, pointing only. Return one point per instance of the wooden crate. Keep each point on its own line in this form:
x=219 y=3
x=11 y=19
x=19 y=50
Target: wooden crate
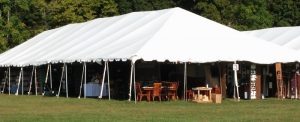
x=217 y=98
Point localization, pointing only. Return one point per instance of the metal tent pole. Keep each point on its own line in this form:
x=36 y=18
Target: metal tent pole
x=84 y=80
x=46 y=79
x=3 y=88
x=130 y=84
x=61 y=78
x=67 y=93
x=103 y=78
x=17 y=92
x=9 y=80
x=108 y=82
x=50 y=77
x=184 y=82
x=134 y=83
x=35 y=81
x=22 y=81
x=82 y=75
x=236 y=80
x=31 y=79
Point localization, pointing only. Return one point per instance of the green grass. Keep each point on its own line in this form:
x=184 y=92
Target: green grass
x=38 y=108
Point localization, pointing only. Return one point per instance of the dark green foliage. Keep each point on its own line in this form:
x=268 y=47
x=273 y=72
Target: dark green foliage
x=23 y=19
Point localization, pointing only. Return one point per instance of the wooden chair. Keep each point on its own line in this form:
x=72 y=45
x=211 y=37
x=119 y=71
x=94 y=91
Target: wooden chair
x=140 y=93
x=172 y=93
x=165 y=90
x=189 y=94
x=156 y=91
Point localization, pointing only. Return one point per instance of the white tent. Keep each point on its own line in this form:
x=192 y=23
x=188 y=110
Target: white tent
x=284 y=36
x=171 y=34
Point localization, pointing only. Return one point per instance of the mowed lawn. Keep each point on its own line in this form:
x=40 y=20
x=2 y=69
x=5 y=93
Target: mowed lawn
x=39 y=108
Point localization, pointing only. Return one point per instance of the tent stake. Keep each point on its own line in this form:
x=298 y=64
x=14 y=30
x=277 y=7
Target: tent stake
x=103 y=78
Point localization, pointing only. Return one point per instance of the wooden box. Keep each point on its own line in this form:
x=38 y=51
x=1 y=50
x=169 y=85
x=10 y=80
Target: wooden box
x=217 y=98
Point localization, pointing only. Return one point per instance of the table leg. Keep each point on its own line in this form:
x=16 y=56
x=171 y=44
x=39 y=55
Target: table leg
x=209 y=95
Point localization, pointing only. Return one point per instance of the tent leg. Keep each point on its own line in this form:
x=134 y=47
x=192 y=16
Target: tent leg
x=8 y=80
x=31 y=79
x=17 y=92
x=67 y=92
x=50 y=78
x=103 y=78
x=3 y=88
x=130 y=84
x=82 y=75
x=61 y=78
x=84 y=80
x=134 y=84
x=184 y=82
x=46 y=79
x=35 y=81
x=236 y=82
x=22 y=81
x=108 y=82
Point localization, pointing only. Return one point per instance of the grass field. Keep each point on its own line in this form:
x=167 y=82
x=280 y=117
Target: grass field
x=38 y=108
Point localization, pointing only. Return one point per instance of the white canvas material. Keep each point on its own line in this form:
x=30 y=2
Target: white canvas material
x=284 y=36
x=172 y=34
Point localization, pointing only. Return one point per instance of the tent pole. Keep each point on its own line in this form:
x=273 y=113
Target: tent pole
x=103 y=78
x=31 y=78
x=236 y=81
x=5 y=73
x=8 y=80
x=67 y=94
x=35 y=81
x=17 y=92
x=184 y=82
x=84 y=80
x=46 y=79
x=82 y=75
x=134 y=83
x=108 y=82
x=22 y=81
x=130 y=84
x=61 y=78
x=50 y=77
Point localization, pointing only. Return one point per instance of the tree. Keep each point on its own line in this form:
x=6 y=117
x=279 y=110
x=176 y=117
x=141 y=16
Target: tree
x=124 y=6
x=147 y=5
x=63 y=12
x=14 y=30
x=207 y=9
x=286 y=13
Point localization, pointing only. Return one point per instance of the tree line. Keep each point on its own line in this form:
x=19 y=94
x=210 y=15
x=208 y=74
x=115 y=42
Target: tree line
x=23 y=19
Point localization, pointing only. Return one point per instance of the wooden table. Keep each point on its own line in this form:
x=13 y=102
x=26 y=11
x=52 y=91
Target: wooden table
x=149 y=90
x=200 y=99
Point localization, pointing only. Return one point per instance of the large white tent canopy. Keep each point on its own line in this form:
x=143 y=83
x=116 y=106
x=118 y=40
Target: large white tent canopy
x=284 y=36
x=170 y=34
